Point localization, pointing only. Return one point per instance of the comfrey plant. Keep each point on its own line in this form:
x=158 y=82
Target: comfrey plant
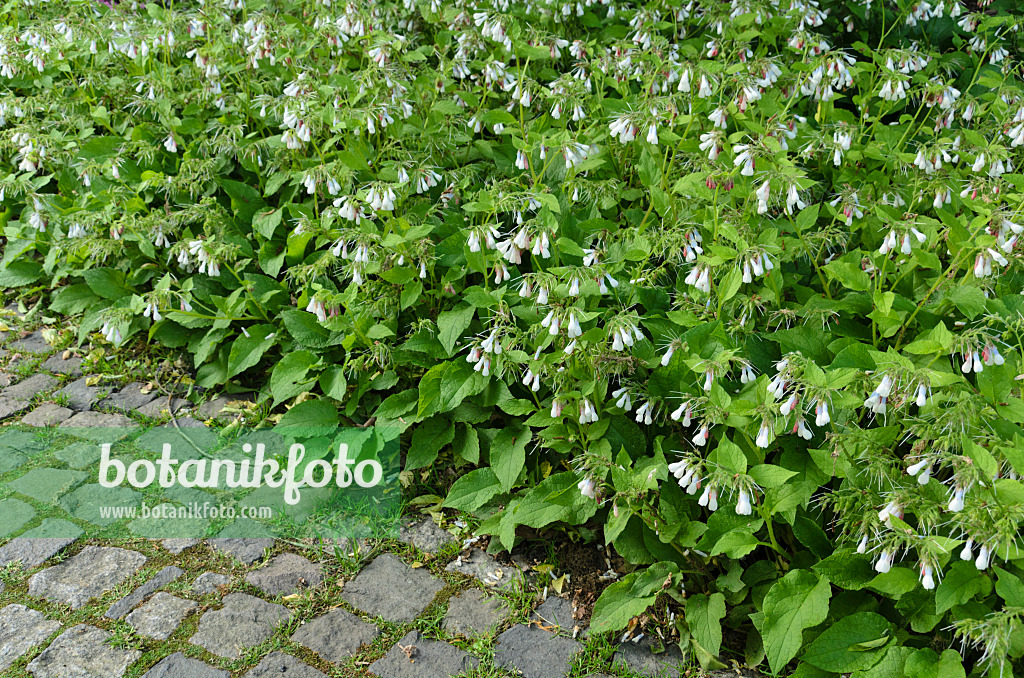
x=733 y=286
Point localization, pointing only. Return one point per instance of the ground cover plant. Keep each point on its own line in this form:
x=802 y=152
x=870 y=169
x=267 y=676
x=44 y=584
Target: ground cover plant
x=732 y=287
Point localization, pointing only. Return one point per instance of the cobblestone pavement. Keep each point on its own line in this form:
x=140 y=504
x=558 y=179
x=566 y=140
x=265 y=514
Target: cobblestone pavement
x=416 y=606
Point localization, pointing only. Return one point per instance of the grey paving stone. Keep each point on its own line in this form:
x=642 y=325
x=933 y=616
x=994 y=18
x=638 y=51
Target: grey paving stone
x=47 y=484
x=286 y=573
x=32 y=551
x=244 y=621
x=86 y=575
x=53 y=528
x=178 y=665
x=10 y=459
x=189 y=422
x=79 y=455
x=82 y=651
x=10 y=407
x=23 y=442
x=30 y=388
x=336 y=635
x=425 y=535
x=159 y=580
x=389 y=588
x=80 y=395
x=555 y=612
x=30 y=343
x=161 y=616
x=47 y=414
x=417 y=657
x=281 y=664
x=157 y=526
x=70 y=366
x=485 y=568
x=535 y=652
x=85 y=502
x=184 y=440
x=161 y=406
x=110 y=427
x=129 y=398
x=14 y=514
x=246 y=550
x=178 y=544
x=209 y=582
x=214 y=407
x=640 y=657
x=21 y=629
x=473 y=613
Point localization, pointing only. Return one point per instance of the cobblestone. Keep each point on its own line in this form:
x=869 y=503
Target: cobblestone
x=417 y=657
x=161 y=616
x=285 y=573
x=389 y=588
x=21 y=629
x=336 y=635
x=82 y=651
x=84 y=576
x=244 y=621
x=30 y=388
x=178 y=665
x=159 y=580
x=46 y=415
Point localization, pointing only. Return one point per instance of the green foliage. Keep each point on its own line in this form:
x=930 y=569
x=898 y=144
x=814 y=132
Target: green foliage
x=734 y=285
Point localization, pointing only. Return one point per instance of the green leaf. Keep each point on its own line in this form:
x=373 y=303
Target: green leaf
x=962 y=582
x=20 y=273
x=473 y=490
x=106 y=282
x=266 y=223
x=508 y=454
x=807 y=217
x=315 y=417
x=617 y=605
x=729 y=455
x=796 y=602
x=841 y=648
x=305 y=328
x=451 y=325
x=288 y=378
x=704 y=616
x=247 y=350
x=1010 y=588
x=427 y=440
x=467 y=443
x=333 y=383
x=767 y=475
x=398 y=404
x=73 y=299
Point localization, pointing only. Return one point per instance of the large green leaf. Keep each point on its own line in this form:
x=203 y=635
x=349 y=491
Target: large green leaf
x=288 y=379
x=313 y=417
x=473 y=490
x=508 y=454
x=248 y=348
x=962 y=582
x=427 y=440
x=451 y=324
x=796 y=602
x=704 y=616
x=618 y=604
x=853 y=643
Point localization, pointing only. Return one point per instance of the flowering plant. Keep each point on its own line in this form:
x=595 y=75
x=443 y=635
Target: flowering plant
x=736 y=282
